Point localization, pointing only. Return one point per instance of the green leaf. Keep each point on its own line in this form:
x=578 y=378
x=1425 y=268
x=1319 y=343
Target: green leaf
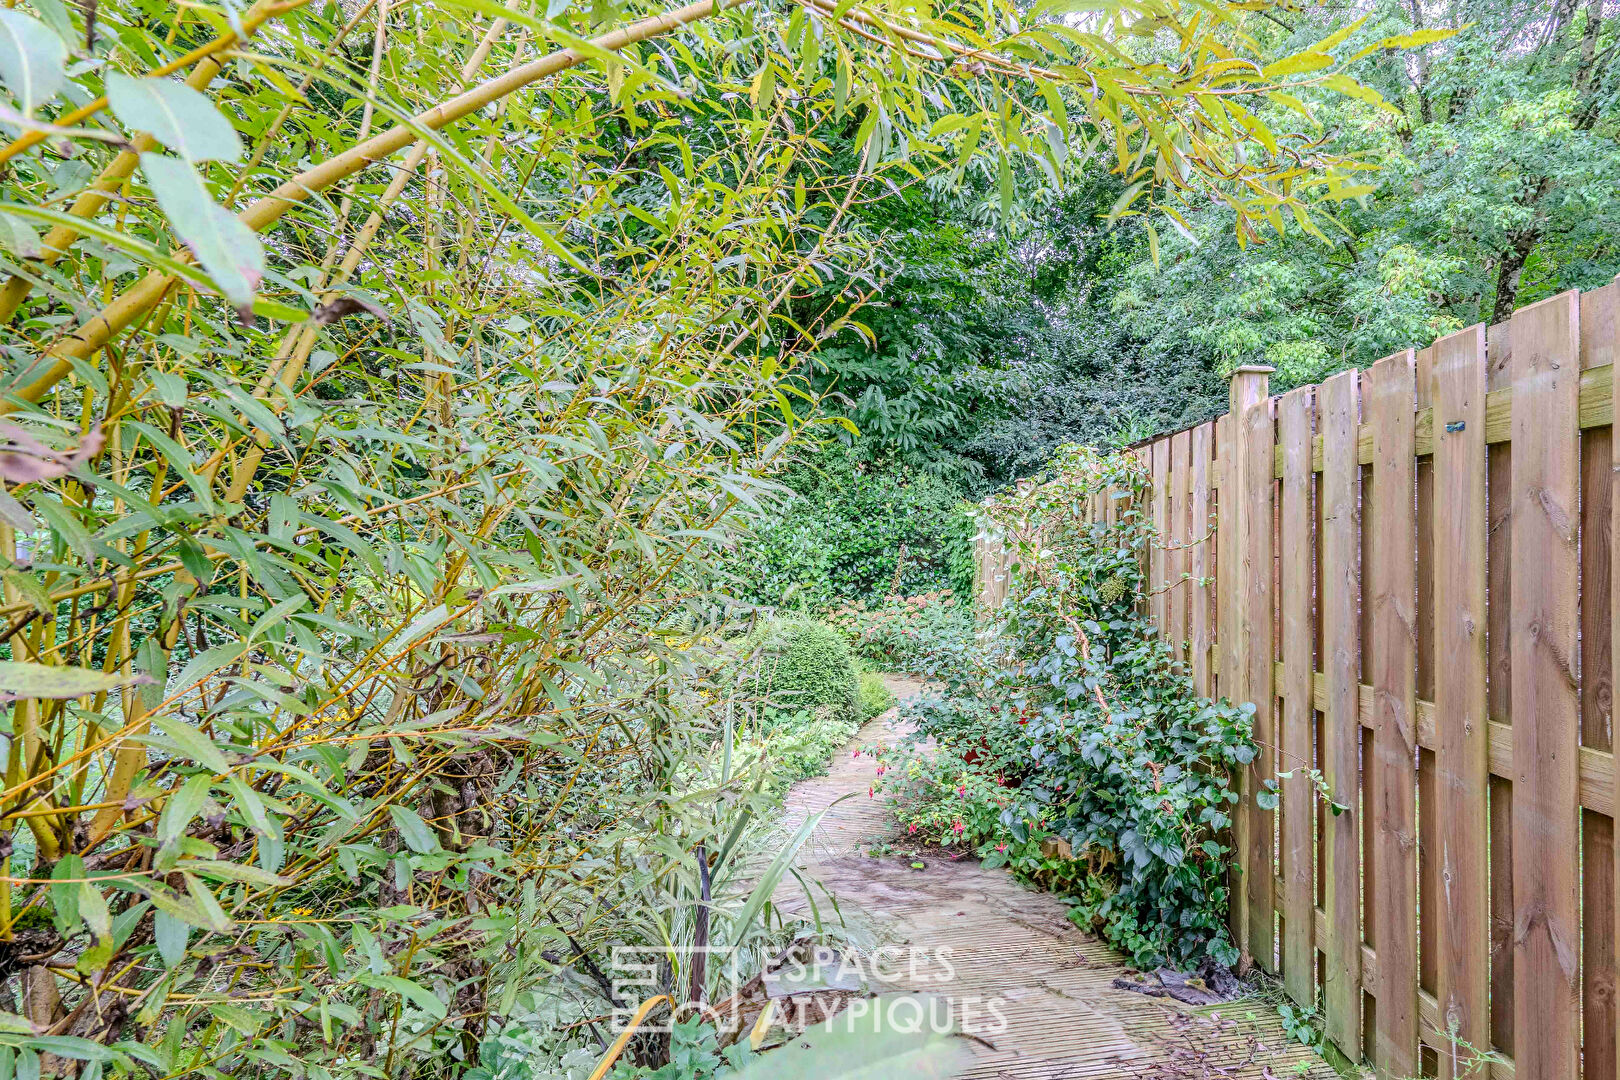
x=206 y=663
x=1299 y=62
x=214 y=915
x=19 y=237
x=180 y=807
x=226 y=248
x=172 y=935
x=1344 y=84
x=175 y=115
x=32 y=60
x=243 y=872
x=26 y=679
x=420 y=996
x=196 y=746
x=417 y=833
x=65 y=877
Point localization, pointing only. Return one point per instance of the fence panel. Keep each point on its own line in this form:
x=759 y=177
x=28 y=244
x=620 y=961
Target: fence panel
x=1340 y=522
x=1392 y=780
x=1430 y=545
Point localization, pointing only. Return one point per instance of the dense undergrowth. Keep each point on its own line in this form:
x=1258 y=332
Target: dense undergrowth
x=1065 y=718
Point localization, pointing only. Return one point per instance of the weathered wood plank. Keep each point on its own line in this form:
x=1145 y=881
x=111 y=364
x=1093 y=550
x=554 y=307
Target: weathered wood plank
x=1200 y=617
x=1298 y=719
x=1392 y=781
x=1159 y=457
x=1254 y=599
x=1340 y=525
x=1228 y=683
x=1462 y=758
x=1546 y=706
x=1180 y=535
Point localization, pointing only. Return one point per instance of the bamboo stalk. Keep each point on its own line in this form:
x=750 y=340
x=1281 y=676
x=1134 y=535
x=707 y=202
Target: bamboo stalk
x=101 y=328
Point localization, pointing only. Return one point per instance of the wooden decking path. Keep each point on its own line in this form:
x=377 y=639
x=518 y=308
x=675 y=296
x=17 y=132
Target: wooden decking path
x=1015 y=947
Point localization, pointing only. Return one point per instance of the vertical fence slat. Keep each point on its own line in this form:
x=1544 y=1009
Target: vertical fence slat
x=1546 y=709
x=1252 y=518
x=1159 y=457
x=1228 y=682
x=1462 y=758
x=1340 y=523
x=1600 y=345
x=1499 y=689
x=1176 y=557
x=1298 y=720
x=1199 y=616
x=1392 y=780
x=1600 y=333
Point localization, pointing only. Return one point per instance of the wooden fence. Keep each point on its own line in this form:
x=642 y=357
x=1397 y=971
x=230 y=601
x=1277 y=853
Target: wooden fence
x=1410 y=570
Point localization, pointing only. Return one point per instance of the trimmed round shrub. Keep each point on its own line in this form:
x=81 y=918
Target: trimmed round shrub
x=807 y=665
x=876 y=697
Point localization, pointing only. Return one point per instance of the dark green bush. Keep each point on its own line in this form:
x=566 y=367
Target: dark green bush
x=853 y=531
x=807 y=666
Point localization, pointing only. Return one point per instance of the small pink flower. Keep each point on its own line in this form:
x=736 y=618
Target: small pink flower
x=911 y=828
x=961 y=791
x=882 y=769
x=957 y=828
x=869 y=793
x=1001 y=847
x=854 y=754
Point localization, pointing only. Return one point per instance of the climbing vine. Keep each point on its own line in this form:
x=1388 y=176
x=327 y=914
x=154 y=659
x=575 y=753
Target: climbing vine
x=1071 y=746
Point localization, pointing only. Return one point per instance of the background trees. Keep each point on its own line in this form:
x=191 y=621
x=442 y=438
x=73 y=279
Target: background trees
x=1011 y=328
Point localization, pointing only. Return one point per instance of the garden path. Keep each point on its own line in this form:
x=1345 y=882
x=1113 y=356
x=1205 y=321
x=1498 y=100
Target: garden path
x=1054 y=984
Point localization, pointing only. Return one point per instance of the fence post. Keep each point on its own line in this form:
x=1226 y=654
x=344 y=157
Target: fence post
x=1246 y=520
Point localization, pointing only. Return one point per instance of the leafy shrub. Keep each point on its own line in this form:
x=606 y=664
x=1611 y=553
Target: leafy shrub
x=1069 y=719
x=807 y=665
x=903 y=631
x=854 y=531
x=875 y=696
x=798 y=743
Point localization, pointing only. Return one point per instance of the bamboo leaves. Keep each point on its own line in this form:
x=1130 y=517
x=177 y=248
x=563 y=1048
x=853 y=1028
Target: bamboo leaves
x=22 y=678
x=32 y=61
x=227 y=249
x=179 y=117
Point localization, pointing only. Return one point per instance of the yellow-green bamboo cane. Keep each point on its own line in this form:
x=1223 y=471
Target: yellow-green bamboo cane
x=101 y=328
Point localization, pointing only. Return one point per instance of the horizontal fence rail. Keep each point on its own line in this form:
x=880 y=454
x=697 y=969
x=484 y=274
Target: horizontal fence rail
x=1411 y=572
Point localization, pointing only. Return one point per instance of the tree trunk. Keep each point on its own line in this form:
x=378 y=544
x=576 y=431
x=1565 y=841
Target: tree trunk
x=1510 y=267
x=1586 y=98
x=1425 y=107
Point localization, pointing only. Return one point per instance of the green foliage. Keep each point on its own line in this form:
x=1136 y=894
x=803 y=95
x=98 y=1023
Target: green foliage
x=807 y=665
x=875 y=696
x=855 y=530
x=902 y=633
x=1493 y=183
x=1068 y=718
x=375 y=424
x=694 y=1054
